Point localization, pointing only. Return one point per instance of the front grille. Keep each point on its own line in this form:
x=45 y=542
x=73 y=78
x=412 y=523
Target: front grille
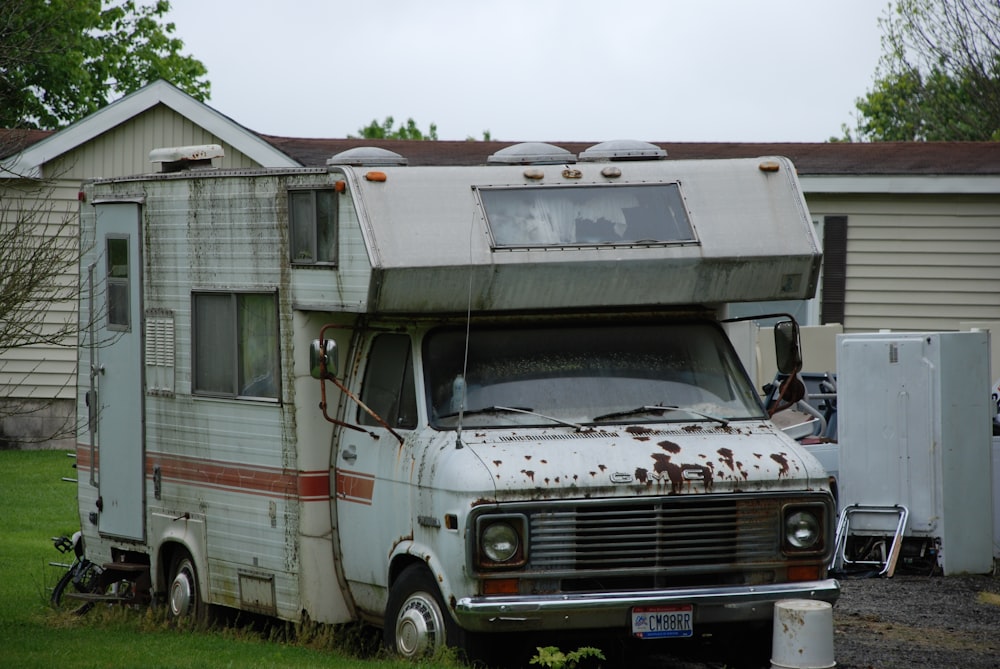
x=676 y=535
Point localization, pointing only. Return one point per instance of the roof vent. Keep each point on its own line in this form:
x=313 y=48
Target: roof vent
x=368 y=156
x=531 y=153
x=623 y=149
x=177 y=158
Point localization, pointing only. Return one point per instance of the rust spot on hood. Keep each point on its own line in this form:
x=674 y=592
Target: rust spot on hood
x=640 y=433
x=676 y=473
x=782 y=462
x=530 y=474
x=692 y=428
x=641 y=475
x=727 y=458
x=669 y=447
x=497 y=463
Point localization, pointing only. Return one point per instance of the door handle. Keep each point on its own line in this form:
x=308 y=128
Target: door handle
x=349 y=453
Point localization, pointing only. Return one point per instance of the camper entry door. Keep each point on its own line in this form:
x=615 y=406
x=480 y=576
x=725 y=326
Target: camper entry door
x=117 y=320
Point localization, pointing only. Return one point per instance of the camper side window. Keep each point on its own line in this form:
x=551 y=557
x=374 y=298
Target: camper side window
x=312 y=226
x=235 y=352
x=388 y=387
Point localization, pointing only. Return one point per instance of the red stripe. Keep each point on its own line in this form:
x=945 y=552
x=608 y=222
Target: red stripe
x=355 y=487
x=83 y=456
x=314 y=486
x=307 y=486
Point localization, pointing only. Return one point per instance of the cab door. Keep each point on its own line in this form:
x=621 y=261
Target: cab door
x=373 y=469
x=117 y=321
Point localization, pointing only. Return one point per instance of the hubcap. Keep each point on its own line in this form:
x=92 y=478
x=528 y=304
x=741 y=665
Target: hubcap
x=181 y=594
x=418 y=627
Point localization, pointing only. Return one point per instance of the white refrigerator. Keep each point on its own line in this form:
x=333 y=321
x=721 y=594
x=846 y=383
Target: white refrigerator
x=915 y=429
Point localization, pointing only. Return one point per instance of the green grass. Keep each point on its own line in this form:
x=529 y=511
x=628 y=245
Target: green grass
x=37 y=505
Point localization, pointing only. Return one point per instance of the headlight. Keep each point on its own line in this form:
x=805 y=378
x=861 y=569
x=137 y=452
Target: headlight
x=500 y=543
x=804 y=530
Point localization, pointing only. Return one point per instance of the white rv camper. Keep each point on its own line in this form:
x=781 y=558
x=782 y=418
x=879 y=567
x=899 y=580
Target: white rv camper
x=527 y=418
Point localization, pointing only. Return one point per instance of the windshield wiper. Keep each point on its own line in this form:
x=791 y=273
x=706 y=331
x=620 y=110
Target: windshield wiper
x=661 y=409
x=503 y=409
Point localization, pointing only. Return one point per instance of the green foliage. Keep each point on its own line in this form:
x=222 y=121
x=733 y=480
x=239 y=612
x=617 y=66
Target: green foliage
x=384 y=130
x=939 y=75
x=553 y=658
x=61 y=60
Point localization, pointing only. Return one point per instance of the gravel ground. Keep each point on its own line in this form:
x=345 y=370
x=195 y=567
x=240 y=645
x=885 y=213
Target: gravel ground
x=918 y=621
x=931 y=622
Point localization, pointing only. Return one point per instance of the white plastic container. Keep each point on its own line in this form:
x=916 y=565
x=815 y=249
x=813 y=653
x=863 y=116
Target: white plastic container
x=803 y=635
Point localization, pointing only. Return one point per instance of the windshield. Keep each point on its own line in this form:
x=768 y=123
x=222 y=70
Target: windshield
x=576 y=375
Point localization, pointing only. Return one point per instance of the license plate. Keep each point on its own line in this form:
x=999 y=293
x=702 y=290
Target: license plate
x=658 y=622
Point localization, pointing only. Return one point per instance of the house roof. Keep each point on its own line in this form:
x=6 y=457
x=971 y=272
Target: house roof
x=824 y=167
x=14 y=140
x=29 y=161
x=819 y=159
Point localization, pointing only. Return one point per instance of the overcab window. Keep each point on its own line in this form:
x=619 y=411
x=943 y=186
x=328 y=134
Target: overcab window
x=236 y=345
x=628 y=215
x=312 y=224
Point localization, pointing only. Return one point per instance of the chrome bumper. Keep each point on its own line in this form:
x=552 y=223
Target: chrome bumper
x=611 y=609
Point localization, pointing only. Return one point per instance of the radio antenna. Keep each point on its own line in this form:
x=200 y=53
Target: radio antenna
x=460 y=387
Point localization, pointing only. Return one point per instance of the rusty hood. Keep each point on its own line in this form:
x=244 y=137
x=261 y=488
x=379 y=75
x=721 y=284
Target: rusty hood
x=671 y=459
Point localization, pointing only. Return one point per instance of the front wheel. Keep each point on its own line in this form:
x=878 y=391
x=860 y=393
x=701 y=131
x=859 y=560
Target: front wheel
x=416 y=621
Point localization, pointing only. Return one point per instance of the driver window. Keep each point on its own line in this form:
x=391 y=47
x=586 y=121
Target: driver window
x=388 y=388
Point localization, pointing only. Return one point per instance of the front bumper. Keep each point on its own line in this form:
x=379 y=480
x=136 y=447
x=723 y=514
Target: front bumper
x=611 y=609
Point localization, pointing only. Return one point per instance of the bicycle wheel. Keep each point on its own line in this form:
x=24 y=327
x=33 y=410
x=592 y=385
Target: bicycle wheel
x=79 y=578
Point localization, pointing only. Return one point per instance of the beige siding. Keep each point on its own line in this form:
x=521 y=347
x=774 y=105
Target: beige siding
x=125 y=149
x=43 y=372
x=920 y=262
x=48 y=372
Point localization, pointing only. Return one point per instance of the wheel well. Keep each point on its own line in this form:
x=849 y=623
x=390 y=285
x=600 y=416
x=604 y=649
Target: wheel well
x=400 y=563
x=170 y=552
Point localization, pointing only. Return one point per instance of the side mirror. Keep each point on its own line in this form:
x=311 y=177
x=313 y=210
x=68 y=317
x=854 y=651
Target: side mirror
x=323 y=358
x=787 y=349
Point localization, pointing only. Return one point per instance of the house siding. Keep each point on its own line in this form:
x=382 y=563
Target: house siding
x=38 y=383
x=918 y=263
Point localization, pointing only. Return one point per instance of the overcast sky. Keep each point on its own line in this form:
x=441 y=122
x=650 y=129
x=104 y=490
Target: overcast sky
x=654 y=70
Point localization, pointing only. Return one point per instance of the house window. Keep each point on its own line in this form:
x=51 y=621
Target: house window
x=236 y=345
x=312 y=223
x=388 y=387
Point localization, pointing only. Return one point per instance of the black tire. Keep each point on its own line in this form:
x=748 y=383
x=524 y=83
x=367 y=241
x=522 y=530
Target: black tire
x=82 y=578
x=417 y=624
x=183 y=596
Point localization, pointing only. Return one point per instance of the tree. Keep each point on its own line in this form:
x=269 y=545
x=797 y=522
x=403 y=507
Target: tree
x=38 y=292
x=376 y=130
x=61 y=60
x=939 y=75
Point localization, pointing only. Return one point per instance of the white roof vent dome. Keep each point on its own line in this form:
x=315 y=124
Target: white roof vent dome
x=623 y=149
x=531 y=153
x=368 y=156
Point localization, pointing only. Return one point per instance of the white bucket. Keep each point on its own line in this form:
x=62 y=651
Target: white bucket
x=803 y=635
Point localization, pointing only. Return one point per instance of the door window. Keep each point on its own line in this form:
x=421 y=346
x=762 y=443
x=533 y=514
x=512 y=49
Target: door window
x=119 y=294
x=388 y=386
